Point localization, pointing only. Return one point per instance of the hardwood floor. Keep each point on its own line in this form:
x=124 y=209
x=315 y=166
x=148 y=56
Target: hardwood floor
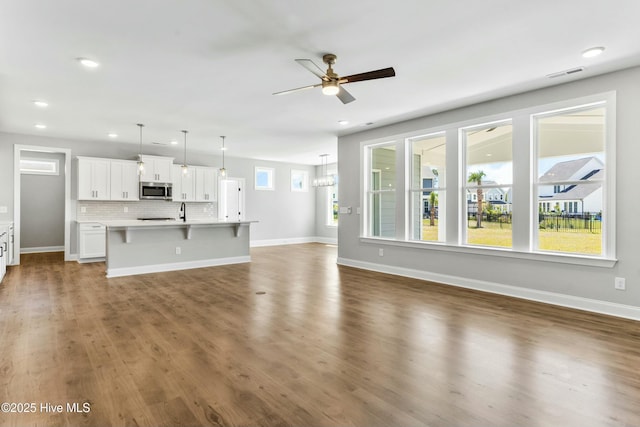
x=294 y=339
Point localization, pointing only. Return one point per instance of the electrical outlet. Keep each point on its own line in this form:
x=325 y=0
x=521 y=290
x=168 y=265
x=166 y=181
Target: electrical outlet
x=381 y=252
x=178 y=250
x=620 y=283
x=126 y=209
x=83 y=209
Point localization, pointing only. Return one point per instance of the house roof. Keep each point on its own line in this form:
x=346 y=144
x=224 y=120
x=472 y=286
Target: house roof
x=566 y=170
x=579 y=191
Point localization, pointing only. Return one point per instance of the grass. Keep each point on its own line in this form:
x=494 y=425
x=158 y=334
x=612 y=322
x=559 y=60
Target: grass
x=491 y=234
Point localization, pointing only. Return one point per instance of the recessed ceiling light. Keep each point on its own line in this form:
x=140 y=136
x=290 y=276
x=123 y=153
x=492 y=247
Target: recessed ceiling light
x=113 y=135
x=40 y=103
x=89 y=63
x=343 y=122
x=173 y=142
x=41 y=126
x=592 y=52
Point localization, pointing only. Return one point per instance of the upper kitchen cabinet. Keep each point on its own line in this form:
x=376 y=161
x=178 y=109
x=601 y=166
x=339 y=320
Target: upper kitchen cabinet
x=206 y=183
x=156 y=169
x=94 y=178
x=124 y=180
x=184 y=185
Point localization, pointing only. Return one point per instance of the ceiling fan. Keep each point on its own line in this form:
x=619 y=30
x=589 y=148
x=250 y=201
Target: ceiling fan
x=332 y=83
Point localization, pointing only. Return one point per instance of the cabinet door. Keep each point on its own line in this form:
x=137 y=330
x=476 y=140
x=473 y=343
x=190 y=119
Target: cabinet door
x=84 y=180
x=205 y=184
x=92 y=242
x=163 y=169
x=94 y=179
x=183 y=184
x=124 y=180
x=156 y=169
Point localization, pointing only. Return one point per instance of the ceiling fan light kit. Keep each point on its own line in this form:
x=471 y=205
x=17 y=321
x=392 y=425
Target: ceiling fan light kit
x=332 y=83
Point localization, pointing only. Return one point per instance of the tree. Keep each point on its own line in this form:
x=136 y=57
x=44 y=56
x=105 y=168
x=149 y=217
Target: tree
x=477 y=178
x=433 y=202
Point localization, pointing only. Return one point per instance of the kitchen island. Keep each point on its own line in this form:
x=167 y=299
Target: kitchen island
x=139 y=247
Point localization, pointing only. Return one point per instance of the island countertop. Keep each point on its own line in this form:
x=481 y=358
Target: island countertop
x=122 y=223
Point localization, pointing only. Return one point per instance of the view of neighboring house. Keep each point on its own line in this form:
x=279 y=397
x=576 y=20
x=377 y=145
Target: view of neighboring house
x=497 y=197
x=572 y=198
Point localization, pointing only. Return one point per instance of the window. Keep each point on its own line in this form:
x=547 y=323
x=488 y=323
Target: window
x=488 y=165
x=551 y=169
x=381 y=190
x=39 y=166
x=427 y=192
x=264 y=178
x=571 y=163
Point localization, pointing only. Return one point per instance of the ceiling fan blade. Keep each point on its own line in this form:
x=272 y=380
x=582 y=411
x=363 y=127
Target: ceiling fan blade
x=345 y=96
x=284 y=92
x=311 y=66
x=370 y=75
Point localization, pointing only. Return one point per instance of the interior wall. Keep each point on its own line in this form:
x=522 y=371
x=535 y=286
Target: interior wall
x=42 y=206
x=541 y=277
x=283 y=216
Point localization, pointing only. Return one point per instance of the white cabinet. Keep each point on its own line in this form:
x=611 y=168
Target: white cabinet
x=156 y=168
x=124 y=180
x=93 y=178
x=184 y=184
x=10 y=241
x=206 y=183
x=91 y=241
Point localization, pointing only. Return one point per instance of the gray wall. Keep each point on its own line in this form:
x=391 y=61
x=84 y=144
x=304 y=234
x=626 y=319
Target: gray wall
x=42 y=206
x=590 y=282
x=283 y=215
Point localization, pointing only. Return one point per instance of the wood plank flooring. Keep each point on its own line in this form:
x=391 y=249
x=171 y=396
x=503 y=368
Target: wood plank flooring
x=294 y=339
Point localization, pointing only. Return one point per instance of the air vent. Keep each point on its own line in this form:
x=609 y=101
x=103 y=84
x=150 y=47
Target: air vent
x=565 y=72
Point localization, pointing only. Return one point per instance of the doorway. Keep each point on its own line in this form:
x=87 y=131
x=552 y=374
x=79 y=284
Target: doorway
x=29 y=151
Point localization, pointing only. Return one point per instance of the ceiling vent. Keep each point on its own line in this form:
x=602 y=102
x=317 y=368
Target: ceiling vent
x=565 y=72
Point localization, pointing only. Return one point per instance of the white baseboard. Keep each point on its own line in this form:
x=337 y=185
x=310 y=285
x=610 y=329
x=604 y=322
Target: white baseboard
x=596 y=306
x=41 y=249
x=292 y=241
x=159 y=268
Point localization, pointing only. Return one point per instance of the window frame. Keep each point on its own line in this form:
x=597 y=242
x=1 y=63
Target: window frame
x=608 y=101
x=525 y=205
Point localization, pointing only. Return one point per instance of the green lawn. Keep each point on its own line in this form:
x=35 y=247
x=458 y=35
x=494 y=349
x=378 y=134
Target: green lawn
x=491 y=234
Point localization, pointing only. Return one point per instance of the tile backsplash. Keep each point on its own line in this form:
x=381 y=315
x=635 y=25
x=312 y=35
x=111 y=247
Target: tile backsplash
x=106 y=210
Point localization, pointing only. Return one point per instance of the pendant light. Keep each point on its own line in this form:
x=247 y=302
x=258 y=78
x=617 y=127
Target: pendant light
x=324 y=180
x=185 y=168
x=140 y=162
x=223 y=171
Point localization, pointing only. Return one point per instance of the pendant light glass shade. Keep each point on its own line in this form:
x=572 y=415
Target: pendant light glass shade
x=140 y=162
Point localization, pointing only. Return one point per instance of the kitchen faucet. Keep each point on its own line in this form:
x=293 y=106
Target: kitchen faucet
x=183 y=212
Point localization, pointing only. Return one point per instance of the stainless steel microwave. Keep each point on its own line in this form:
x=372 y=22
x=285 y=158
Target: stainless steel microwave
x=155 y=191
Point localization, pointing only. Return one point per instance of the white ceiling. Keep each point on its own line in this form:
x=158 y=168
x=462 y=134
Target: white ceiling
x=211 y=66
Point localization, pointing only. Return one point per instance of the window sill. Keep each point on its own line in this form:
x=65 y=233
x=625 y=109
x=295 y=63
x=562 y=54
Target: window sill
x=497 y=252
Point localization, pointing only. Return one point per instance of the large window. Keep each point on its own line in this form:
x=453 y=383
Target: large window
x=381 y=191
x=427 y=191
x=570 y=178
x=534 y=182
x=488 y=171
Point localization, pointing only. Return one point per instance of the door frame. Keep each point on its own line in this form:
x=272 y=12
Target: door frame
x=18 y=149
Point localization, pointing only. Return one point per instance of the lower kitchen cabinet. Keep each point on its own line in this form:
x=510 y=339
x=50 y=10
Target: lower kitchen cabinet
x=91 y=242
